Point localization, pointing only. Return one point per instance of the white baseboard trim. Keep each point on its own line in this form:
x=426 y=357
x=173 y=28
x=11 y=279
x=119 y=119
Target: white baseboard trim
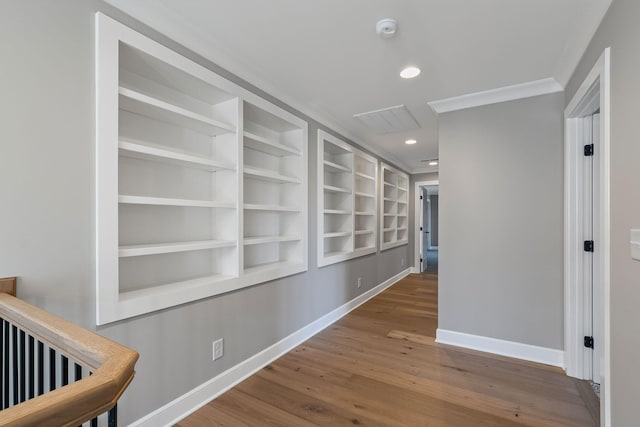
x=533 y=353
x=193 y=400
x=414 y=270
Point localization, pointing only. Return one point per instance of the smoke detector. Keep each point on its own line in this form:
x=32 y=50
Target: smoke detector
x=386 y=28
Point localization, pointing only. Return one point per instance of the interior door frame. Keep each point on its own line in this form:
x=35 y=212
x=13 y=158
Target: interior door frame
x=418 y=220
x=594 y=93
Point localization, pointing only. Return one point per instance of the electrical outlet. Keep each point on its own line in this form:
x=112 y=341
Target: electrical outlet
x=359 y=282
x=218 y=349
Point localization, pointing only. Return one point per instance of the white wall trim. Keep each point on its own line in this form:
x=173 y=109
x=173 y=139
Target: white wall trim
x=426 y=169
x=548 y=356
x=493 y=96
x=416 y=218
x=191 y=401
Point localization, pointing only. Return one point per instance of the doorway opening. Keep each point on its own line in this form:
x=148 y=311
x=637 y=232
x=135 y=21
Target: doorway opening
x=426 y=226
x=587 y=233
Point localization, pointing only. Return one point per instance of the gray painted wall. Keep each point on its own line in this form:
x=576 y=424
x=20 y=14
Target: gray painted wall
x=419 y=177
x=48 y=209
x=620 y=31
x=501 y=249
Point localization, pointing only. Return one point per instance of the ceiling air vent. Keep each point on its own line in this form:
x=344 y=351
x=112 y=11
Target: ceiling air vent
x=389 y=120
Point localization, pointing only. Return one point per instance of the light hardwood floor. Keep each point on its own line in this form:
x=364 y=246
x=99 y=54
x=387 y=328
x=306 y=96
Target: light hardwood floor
x=380 y=366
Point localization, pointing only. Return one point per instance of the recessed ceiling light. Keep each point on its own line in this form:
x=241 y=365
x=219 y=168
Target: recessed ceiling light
x=433 y=163
x=410 y=72
x=410 y=141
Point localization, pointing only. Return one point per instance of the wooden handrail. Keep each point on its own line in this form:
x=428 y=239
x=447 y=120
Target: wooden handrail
x=112 y=365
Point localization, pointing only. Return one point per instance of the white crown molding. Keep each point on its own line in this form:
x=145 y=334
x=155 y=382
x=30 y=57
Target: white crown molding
x=176 y=28
x=193 y=400
x=494 y=96
x=427 y=169
x=548 y=356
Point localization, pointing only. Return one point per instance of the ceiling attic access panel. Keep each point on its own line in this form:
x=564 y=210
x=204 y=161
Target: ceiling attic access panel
x=170 y=178
x=347 y=201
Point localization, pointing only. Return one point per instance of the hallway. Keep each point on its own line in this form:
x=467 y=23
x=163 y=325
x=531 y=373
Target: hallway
x=379 y=366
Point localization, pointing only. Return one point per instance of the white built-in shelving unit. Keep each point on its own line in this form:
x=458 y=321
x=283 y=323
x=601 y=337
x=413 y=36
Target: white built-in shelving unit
x=201 y=185
x=394 y=207
x=347 y=201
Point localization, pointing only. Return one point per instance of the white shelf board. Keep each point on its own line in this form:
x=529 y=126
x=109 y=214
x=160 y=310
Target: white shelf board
x=180 y=287
x=388 y=184
x=402 y=202
x=401 y=228
x=161 y=201
x=336 y=253
x=258 y=143
x=389 y=214
x=361 y=194
x=274 y=208
x=146 y=151
x=139 y=103
x=361 y=232
x=337 y=212
x=337 y=234
x=386 y=230
x=365 y=213
x=268 y=175
x=401 y=188
x=332 y=189
x=270 y=239
x=387 y=199
x=335 y=167
x=270 y=266
x=166 y=248
x=365 y=176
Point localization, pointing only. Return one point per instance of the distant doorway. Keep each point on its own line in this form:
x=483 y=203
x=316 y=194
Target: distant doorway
x=426 y=214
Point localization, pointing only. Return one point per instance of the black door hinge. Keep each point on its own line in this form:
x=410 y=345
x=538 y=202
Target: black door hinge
x=588 y=150
x=588 y=342
x=420 y=259
x=588 y=245
x=420 y=197
x=420 y=228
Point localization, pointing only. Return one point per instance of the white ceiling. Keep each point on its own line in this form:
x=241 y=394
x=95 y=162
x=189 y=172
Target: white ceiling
x=324 y=58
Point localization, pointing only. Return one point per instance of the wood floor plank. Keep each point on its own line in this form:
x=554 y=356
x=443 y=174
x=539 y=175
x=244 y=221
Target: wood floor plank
x=380 y=366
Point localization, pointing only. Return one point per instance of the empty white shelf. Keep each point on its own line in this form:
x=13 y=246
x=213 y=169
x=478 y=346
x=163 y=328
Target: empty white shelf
x=139 y=103
x=388 y=184
x=145 y=151
x=332 y=189
x=274 y=208
x=269 y=239
x=387 y=199
x=331 y=166
x=258 y=143
x=361 y=194
x=403 y=189
x=337 y=212
x=365 y=176
x=162 y=201
x=269 y=175
x=336 y=253
x=365 y=213
x=269 y=266
x=386 y=230
x=337 y=234
x=166 y=248
x=401 y=228
x=402 y=202
x=361 y=232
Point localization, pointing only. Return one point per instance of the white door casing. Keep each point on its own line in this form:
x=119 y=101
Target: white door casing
x=580 y=315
